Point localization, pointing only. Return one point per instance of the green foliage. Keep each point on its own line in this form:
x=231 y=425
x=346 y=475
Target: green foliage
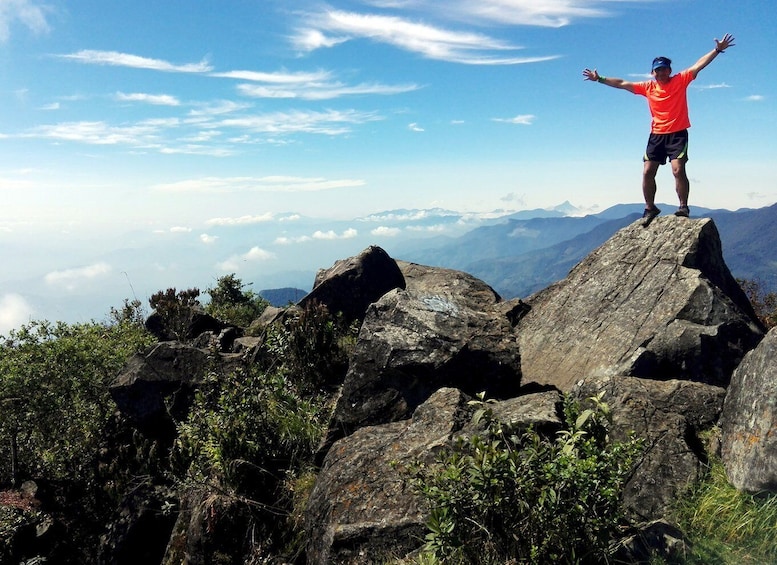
x=728 y=526
x=521 y=496
x=54 y=397
x=249 y=419
x=311 y=346
x=176 y=308
x=764 y=303
x=230 y=303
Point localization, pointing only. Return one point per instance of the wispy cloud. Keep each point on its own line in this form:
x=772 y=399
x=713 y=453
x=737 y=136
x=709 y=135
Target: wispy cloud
x=194 y=134
x=242 y=220
x=329 y=122
x=208 y=239
x=50 y=107
x=156 y=99
x=334 y=26
x=318 y=85
x=350 y=233
x=544 y=13
x=323 y=91
x=386 y=231
x=29 y=13
x=143 y=133
x=258 y=184
x=755 y=98
x=711 y=86
x=117 y=59
x=415 y=127
x=70 y=279
x=253 y=255
x=521 y=119
x=320 y=235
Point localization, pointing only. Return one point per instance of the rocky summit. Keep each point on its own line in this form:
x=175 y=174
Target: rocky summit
x=652 y=321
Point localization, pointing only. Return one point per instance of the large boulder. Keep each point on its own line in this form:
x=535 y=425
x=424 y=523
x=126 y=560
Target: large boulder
x=155 y=387
x=669 y=416
x=655 y=302
x=446 y=329
x=350 y=285
x=363 y=509
x=749 y=421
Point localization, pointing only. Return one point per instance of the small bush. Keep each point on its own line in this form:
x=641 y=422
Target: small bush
x=54 y=399
x=764 y=303
x=312 y=347
x=526 y=498
x=231 y=303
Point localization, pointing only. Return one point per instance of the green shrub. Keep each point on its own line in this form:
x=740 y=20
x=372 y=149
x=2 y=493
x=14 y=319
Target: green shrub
x=176 y=309
x=54 y=399
x=312 y=347
x=525 y=497
x=248 y=418
x=230 y=303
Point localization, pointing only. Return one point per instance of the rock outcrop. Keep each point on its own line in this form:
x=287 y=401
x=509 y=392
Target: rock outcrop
x=155 y=387
x=656 y=302
x=653 y=319
x=749 y=421
x=443 y=330
x=363 y=510
x=669 y=417
x=351 y=285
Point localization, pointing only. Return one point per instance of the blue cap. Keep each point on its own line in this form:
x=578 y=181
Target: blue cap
x=659 y=62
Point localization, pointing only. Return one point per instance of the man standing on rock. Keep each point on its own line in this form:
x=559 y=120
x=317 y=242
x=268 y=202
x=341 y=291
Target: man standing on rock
x=668 y=103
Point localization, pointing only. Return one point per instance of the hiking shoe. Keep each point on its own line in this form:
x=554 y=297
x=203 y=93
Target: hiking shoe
x=649 y=214
x=683 y=212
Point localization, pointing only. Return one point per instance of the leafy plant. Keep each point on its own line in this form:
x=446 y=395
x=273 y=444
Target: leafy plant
x=231 y=303
x=311 y=346
x=176 y=309
x=54 y=397
x=521 y=496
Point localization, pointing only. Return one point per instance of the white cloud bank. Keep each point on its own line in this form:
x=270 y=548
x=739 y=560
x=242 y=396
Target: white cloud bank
x=14 y=311
x=70 y=279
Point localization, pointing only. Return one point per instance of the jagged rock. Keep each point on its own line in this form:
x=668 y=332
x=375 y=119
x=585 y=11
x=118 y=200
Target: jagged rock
x=362 y=508
x=443 y=330
x=749 y=420
x=141 y=532
x=668 y=416
x=350 y=285
x=655 y=302
x=155 y=387
x=541 y=411
x=656 y=539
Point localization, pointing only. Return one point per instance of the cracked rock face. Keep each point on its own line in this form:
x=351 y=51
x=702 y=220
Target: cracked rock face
x=749 y=420
x=656 y=302
x=446 y=329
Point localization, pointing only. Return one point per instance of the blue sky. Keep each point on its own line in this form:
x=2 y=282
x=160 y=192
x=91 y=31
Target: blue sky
x=181 y=118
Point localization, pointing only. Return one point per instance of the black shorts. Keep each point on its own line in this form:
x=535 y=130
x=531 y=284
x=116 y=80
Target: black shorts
x=661 y=146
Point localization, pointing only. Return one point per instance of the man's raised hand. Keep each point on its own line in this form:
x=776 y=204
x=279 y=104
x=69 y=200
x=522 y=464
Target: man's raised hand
x=725 y=43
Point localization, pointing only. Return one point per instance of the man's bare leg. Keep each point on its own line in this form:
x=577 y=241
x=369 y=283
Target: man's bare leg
x=681 y=182
x=649 y=183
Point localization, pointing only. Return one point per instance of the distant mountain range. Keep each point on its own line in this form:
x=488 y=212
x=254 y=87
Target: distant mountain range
x=521 y=255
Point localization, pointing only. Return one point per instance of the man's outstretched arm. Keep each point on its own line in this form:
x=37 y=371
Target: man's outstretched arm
x=707 y=58
x=609 y=81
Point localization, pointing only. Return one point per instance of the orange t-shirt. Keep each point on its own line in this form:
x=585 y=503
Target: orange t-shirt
x=668 y=102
